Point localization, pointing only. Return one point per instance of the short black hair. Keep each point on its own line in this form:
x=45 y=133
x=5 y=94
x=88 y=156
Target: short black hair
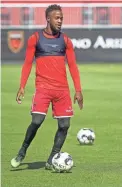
x=51 y=8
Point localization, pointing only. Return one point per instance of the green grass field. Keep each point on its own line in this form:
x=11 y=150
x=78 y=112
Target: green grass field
x=99 y=165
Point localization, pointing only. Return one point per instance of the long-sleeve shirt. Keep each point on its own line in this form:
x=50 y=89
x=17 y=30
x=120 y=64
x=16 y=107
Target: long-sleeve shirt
x=50 y=70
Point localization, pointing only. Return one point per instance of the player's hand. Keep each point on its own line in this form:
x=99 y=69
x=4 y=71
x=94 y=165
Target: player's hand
x=79 y=98
x=20 y=94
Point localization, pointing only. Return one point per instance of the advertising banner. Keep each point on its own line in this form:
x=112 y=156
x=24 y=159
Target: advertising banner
x=91 y=45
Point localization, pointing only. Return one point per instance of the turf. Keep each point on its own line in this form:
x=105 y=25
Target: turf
x=99 y=165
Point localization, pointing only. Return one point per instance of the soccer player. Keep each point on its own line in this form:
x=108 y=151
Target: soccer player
x=50 y=47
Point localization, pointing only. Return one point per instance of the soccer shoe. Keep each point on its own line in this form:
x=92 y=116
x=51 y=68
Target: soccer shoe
x=48 y=166
x=15 y=162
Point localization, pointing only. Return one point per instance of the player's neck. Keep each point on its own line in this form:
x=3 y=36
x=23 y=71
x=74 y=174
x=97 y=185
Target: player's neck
x=49 y=31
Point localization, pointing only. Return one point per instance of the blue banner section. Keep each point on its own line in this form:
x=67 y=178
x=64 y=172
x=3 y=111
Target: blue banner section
x=91 y=45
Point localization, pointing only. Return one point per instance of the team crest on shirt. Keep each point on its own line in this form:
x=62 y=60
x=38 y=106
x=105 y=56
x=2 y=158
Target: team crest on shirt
x=15 y=40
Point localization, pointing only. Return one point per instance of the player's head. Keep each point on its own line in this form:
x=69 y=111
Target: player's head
x=54 y=17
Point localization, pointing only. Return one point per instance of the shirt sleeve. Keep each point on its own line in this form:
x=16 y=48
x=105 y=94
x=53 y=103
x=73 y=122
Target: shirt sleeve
x=70 y=54
x=27 y=66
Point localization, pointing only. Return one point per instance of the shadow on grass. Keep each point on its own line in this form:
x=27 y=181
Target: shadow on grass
x=33 y=165
x=85 y=145
x=69 y=172
x=62 y=172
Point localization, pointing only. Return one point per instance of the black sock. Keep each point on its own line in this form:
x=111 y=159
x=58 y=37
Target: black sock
x=37 y=120
x=63 y=126
x=30 y=134
x=58 y=143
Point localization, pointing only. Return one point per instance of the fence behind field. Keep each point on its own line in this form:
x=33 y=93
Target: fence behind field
x=95 y=29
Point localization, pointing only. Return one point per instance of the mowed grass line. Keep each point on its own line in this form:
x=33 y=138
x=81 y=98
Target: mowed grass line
x=99 y=165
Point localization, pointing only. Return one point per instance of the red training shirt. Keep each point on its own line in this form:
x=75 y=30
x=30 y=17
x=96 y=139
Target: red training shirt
x=50 y=70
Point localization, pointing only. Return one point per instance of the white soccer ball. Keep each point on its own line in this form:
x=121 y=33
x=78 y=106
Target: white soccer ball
x=62 y=162
x=86 y=136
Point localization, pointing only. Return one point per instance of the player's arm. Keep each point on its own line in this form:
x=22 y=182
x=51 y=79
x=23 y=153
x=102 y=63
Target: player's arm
x=27 y=66
x=70 y=54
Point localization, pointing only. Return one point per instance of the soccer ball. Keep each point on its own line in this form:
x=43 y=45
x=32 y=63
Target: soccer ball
x=86 y=136
x=62 y=162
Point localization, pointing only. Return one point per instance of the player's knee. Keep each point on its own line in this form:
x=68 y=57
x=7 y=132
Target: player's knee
x=64 y=123
x=37 y=119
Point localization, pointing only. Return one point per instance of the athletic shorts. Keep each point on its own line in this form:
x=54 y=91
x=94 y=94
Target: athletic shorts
x=60 y=100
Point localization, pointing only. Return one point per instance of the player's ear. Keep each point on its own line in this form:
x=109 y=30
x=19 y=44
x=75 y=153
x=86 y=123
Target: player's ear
x=48 y=19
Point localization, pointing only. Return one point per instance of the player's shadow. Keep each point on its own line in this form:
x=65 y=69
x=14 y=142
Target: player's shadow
x=33 y=165
x=55 y=172
x=85 y=145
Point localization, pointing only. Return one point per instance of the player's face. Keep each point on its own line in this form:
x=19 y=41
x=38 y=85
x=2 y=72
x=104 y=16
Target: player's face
x=55 y=20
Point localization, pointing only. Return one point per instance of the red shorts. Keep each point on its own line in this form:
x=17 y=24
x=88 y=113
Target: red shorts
x=60 y=100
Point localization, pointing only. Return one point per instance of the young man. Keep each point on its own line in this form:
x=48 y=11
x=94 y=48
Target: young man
x=49 y=46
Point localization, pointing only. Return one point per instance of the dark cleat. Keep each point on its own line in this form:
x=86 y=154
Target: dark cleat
x=15 y=162
x=48 y=166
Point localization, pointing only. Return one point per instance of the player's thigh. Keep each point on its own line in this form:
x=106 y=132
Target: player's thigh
x=40 y=101
x=62 y=104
